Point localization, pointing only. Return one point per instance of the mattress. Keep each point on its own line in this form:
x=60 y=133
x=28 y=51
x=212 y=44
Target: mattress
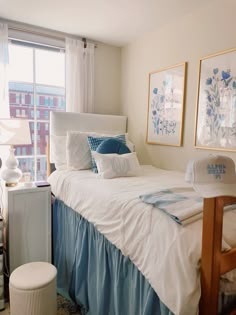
x=166 y=253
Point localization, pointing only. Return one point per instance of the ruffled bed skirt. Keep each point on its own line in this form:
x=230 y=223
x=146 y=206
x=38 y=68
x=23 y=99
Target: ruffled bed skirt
x=94 y=273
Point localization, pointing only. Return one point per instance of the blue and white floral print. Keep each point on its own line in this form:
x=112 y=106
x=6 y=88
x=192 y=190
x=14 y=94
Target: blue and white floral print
x=159 y=112
x=220 y=96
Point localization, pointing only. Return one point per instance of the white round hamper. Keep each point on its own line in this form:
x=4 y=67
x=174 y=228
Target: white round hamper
x=32 y=289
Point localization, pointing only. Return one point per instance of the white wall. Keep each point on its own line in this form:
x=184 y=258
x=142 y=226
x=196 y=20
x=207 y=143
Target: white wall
x=201 y=33
x=107 y=79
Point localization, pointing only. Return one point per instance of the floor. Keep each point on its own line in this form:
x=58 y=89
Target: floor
x=6 y=311
x=64 y=307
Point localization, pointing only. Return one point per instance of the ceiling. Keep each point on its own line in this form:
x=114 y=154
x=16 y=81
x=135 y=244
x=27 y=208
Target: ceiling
x=115 y=22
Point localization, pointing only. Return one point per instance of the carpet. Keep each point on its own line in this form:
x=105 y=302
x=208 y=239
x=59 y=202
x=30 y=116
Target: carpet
x=66 y=307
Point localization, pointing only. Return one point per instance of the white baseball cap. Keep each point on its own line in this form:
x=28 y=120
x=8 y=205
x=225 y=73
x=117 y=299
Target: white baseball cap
x=212 y=176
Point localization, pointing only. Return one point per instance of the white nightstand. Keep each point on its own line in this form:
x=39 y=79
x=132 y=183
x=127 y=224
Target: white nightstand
x=27 y=213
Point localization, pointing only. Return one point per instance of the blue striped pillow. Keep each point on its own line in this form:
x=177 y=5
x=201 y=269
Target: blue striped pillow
x=94 y=143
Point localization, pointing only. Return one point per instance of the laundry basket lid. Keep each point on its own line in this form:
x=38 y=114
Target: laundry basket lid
x=33 y=275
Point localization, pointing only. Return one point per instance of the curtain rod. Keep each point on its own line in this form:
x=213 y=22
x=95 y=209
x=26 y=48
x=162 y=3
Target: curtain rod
x=40 y=31
x=62 y=36
x=32 y=43
x=34 y=32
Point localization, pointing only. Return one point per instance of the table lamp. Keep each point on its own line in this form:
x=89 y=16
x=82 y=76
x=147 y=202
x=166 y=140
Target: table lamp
x=13 y=132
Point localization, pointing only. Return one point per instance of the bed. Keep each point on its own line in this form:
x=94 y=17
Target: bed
x=117 y=255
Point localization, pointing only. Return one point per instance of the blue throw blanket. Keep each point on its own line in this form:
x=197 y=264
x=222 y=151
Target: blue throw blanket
x=183 y=204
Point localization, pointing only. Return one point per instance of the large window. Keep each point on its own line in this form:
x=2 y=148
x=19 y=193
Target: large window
x=36 y=87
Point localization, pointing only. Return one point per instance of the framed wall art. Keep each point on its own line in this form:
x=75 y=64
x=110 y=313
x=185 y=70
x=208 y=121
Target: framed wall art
x=216 y=102
x=166 y=105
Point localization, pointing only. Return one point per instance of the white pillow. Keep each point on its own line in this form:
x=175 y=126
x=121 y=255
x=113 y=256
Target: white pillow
x=72 y=151
x=58 y=151
x=78 y=154
x=129 y=144
x=115 y=165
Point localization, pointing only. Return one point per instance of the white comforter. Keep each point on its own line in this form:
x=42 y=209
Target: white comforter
x=166 y=253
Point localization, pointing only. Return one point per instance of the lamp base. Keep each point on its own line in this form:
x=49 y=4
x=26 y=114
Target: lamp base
x=11 y=174
x=11 y=184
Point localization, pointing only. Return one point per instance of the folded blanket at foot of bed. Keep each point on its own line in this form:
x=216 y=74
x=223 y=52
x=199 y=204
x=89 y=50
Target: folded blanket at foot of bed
x=182 y=204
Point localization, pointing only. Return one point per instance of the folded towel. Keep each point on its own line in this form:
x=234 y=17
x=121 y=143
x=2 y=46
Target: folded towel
x=183 y=204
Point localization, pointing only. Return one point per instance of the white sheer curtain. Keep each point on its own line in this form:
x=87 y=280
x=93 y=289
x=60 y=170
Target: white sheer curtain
x=79 y=76
x=4 y=60
x=4 y=95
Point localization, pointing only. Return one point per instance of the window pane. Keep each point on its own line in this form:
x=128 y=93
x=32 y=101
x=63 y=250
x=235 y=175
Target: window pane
x=49 y=95
x=20 y=63
x=52 y=72
x=21 y=99
x=42 y=168
x=26 y=165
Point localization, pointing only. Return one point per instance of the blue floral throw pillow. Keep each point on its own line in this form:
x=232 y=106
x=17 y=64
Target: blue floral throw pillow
x=94 y=142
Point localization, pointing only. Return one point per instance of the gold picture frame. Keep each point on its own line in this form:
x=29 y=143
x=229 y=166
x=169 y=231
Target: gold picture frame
x=215 y=119
x=166 y=101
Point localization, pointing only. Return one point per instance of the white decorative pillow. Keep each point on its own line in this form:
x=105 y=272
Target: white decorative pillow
x=58 y=152
x=78 y=154
x=72 y=151
x=117 y=165
x=129 y=144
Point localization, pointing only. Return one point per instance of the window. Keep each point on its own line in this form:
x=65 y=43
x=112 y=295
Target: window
x=23 y=151
x=41 y=100
x=13 y=98
x=27 y=99
x=55 y=101
x=36 y=87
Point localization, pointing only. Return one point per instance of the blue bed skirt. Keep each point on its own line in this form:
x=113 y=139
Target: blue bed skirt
x=94 y=273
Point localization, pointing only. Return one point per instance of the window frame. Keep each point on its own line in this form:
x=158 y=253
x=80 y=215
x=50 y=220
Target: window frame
x=33 y=107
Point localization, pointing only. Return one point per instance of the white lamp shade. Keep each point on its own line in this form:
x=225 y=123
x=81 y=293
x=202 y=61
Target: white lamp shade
x=14 y=132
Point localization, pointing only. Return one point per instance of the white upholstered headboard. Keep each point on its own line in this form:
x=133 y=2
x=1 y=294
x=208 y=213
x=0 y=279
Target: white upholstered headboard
x=61 y=122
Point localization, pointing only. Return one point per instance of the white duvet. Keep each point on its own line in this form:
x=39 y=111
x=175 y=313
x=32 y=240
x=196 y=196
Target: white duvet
x=167 y=254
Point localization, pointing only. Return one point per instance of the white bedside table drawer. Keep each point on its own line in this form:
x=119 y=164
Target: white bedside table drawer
x=28 y=217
